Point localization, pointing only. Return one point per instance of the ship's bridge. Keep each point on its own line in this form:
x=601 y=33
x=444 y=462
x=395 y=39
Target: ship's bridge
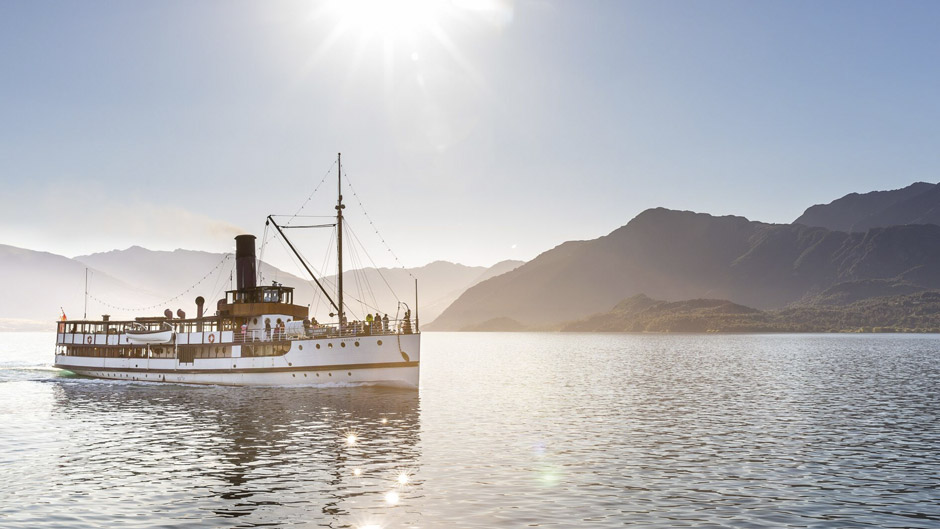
x=255 y=301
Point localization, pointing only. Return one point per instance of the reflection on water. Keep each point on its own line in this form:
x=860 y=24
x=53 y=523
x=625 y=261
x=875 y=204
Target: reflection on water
x=508 y=430
x=211 y=456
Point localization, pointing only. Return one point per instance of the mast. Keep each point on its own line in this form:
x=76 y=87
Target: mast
x=339 y=237
x=85 y=316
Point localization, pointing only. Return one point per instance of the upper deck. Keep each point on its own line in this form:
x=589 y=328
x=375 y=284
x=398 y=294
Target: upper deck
x=216 y=331
x=257 y=301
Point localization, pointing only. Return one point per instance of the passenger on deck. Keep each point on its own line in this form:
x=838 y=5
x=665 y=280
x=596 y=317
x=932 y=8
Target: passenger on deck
x=406 y=325
x=267 y=328
x=369 y=321
x=385 y=323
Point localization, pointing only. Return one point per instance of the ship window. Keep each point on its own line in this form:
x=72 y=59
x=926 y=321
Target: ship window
x=342 y=344
x=330 y=345
x=357 y=344
x=379 y=342
x=318 y=346
x=300 y=347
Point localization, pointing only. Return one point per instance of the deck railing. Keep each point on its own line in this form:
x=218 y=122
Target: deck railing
x=329 y=330
x=293 y=332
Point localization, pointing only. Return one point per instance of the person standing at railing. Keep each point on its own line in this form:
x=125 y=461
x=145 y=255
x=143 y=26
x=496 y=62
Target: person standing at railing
x=385 y=323
x=406 y=325
x=267 y=329
x=369 y=321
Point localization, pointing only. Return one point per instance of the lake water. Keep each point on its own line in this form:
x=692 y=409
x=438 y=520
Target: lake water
x=507 y=430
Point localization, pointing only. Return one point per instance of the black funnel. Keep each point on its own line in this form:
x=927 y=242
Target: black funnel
x=245 y=262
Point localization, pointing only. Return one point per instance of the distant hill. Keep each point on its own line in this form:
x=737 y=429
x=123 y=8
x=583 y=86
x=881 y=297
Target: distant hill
x=918 y=312
x=37 y=284
x=367 y=289
x=40 y=283
x=918 y=203
x=680 y=255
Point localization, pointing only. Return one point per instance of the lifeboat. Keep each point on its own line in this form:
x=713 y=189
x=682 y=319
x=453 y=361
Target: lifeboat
x=141 y=335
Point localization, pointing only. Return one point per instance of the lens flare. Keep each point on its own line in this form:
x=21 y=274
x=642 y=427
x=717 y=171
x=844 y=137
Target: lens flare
x=357 y=472
x=403 y=478
x=391 y=497
x=351 y=439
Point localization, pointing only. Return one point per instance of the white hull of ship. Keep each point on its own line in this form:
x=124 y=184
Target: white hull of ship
x=394 y=363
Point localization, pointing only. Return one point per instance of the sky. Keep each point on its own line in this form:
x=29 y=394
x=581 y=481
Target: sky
x=472 y=131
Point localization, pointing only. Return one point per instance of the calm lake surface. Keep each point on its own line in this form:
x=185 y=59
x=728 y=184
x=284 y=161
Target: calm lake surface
x=508 y=430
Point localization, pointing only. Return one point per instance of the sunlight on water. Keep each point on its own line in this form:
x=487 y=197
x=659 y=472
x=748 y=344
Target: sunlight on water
x=507 y=430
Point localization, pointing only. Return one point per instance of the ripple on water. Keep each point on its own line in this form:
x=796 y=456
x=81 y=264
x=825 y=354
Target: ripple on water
x=508 y=430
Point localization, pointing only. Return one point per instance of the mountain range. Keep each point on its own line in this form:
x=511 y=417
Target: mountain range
x=137 y=281
x=858 y=247
x=853 y=251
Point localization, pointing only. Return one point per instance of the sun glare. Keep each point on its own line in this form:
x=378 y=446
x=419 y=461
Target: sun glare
x=386 y=18
x=392 y=498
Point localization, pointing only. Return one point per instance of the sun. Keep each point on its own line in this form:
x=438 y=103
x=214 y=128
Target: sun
x=387 y=19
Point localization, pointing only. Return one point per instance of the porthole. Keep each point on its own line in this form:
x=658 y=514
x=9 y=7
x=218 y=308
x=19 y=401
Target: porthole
x=331 y=374
x=343 y=344
x=300 y=347
x=233 y=366
x=289 y=364
x=318 y=375
x=379 y=342
x=305 y=375
x=349 y=373
x=255 y=321
x=318 y=346
x=357 y=344
x=330 y=345
x=294 y=375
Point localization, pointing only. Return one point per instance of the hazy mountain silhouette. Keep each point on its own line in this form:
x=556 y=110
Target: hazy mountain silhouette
x=37 y=284
x=918 y=203
x=137 y=277
x=680 y=255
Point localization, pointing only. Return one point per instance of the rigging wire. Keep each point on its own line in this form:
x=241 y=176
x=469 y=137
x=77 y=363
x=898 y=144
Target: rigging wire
x=162 y=303
x=357 y=272
x=356 y=237
x=221 y=287
x=361 y=269
x=329 y=251
x=371 y=223
x=302 y=206
x=264 y=243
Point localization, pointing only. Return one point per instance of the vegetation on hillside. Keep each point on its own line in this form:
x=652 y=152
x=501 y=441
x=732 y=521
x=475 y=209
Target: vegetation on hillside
x=918 y=312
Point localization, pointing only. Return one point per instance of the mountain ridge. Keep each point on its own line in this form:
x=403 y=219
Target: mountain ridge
x=681 y=255
x=137 y=276
x=918 y=203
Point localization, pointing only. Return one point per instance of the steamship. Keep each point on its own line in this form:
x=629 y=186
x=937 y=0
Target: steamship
x=257 y=336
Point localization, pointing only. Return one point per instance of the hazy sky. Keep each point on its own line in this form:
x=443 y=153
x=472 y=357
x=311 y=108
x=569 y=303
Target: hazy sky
x=473 y=131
